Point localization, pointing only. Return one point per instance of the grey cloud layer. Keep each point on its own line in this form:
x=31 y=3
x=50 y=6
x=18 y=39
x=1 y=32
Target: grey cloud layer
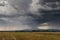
x=23 y=13
x=17 y=12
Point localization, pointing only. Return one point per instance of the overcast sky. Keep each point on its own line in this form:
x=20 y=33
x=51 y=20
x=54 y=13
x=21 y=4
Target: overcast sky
x=27 y=14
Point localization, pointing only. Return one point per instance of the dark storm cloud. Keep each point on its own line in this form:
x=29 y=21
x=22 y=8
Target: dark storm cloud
x=21 y=12
x=27 y=13
x=51 y=13
x=18 y=12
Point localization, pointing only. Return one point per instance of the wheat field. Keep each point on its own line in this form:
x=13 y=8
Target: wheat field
x=29 y=35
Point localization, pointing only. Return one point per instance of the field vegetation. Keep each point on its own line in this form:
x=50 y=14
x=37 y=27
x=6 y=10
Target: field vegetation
x=29 y=35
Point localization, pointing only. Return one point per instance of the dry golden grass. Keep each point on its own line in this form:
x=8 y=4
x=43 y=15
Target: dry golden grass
x=29 y=36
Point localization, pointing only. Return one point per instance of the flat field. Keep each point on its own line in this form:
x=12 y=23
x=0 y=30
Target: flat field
x=29 y=35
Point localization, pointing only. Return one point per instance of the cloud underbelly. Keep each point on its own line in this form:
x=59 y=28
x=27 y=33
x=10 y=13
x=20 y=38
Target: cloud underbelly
x=26 y=14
